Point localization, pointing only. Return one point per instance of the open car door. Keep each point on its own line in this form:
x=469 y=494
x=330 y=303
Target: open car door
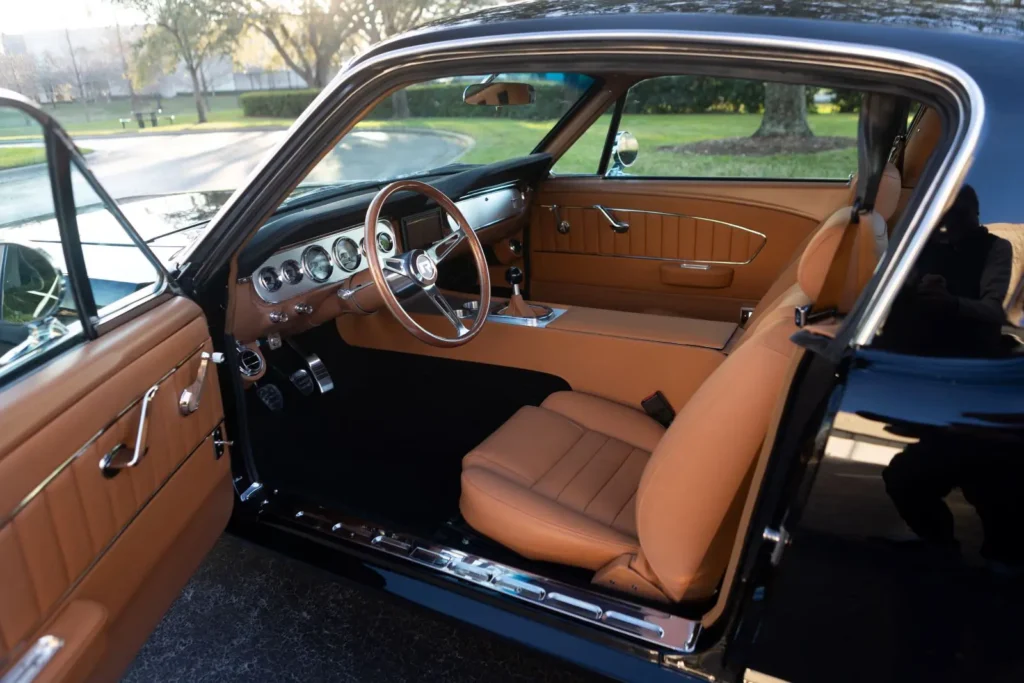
x=114 y=477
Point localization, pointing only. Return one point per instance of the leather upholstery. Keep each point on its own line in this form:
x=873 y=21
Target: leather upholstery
x=567 y=473
x=586 y=482
x=83 y=549
x=920 y=144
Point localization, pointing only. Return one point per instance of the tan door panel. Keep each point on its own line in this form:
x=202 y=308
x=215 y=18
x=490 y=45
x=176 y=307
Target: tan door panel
x=696 y=248
x=87 y=557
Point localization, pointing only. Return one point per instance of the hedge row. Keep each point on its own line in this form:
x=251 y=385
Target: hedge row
x=277 y=103
x=667 y=95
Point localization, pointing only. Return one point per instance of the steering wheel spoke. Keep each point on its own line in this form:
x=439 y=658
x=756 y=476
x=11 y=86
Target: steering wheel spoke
x=420 y=267
x=437 y=298
x=440 y=250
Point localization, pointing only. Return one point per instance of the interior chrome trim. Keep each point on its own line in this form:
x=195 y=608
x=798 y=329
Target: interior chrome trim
x=486 y=208
x=64 y=465
x=307 y=284
x=590 y=607
x=605 y=209
x=35 y=659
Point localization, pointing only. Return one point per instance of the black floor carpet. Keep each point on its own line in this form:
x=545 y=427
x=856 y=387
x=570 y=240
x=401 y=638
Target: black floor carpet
x=250 y=614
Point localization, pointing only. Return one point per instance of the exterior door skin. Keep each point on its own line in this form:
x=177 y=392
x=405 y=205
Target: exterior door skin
x=110 y=491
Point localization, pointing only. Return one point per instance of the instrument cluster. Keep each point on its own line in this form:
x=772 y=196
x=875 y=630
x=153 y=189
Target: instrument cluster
x=332 y=258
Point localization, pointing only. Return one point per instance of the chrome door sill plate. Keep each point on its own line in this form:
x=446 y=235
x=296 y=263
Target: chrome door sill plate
x=643 y=623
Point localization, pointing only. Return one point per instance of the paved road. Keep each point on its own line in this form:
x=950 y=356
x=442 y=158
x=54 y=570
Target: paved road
x=154 y=164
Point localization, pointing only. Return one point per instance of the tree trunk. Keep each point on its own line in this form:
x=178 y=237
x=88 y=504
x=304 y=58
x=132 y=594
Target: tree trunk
x=78 y=74
x=400 y=105
x=785 y=112
x=197 y=92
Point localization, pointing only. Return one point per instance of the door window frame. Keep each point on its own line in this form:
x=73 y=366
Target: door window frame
x=61 y=153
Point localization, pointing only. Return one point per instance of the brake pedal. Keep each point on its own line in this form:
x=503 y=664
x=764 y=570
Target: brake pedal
x=316 y=368
x=271 y=396
x=302 y=381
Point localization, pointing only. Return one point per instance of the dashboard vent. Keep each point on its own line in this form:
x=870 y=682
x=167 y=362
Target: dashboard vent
x=250 y=362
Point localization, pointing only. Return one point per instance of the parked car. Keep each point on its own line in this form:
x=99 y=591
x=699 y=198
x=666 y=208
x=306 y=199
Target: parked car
x=662 y=407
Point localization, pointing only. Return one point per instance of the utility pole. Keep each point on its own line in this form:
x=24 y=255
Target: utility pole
x=126 y=73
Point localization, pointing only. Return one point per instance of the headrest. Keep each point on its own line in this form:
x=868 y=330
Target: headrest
x=821 y=250
x=921 y=142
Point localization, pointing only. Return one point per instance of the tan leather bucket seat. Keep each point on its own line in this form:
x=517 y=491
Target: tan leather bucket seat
x=586 y=482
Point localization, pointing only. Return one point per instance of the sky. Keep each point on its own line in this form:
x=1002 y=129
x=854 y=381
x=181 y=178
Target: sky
x=25 y=16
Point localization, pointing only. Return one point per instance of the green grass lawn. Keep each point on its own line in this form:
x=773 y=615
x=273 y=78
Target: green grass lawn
x=101 y=118
x=13 y=157
x=498 y=139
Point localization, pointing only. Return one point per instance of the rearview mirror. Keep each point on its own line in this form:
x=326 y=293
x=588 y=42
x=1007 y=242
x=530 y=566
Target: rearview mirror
x=499 y=94
x=31 y=289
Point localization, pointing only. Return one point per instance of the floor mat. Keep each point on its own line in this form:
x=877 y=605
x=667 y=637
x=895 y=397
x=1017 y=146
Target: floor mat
x=251 y=614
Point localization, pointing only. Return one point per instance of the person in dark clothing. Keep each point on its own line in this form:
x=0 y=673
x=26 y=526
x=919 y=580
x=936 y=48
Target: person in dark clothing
x=952 y=303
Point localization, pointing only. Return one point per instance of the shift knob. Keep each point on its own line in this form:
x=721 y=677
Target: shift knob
x=514 y=276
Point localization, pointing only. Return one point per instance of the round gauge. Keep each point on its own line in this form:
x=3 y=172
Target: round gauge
x=291 y=272
x=346 y=253
x=362 y=246
x=385 y=242
x=317 y=263
x=269 y=279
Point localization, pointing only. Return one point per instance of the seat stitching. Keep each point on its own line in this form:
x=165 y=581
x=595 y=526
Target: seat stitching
x=582 y=467
x=553 y=525
x=508 y=469
x=561 y=457
x=623 y=509
x=609 y=481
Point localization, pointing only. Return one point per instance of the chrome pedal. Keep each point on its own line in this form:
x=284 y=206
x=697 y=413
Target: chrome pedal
x=271 y=397
x=303 y=381
x=316 y=368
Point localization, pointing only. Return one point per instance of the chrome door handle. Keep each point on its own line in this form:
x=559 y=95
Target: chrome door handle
x=117 y=459
x=189 y=401
x=617 y=225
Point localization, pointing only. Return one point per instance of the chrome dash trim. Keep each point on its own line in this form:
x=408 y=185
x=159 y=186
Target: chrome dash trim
x=596 y=609
x=64 y=465
x=35 y=659
x=613 y=209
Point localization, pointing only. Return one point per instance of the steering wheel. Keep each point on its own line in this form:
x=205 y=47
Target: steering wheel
x=421 y=267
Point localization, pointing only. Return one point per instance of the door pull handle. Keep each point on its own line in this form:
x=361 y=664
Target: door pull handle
x=118 y=458
x=617 y=225
x=189 y=401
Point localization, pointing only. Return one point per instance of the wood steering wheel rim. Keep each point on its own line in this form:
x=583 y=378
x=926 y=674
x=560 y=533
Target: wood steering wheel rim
x=411 y=265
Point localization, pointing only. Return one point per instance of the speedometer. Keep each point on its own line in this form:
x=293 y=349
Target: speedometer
x=317 y=263
x=346 y=253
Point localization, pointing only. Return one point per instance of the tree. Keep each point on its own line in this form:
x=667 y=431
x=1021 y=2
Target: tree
x=19 y=73
x=785 y=112
x=307 y=34
x=189 y=32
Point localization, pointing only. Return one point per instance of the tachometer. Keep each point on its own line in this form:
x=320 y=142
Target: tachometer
x=317 y=263
x=346 y=253
x=290 y=272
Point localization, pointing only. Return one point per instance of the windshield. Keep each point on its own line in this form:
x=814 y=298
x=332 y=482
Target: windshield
x=430 y=125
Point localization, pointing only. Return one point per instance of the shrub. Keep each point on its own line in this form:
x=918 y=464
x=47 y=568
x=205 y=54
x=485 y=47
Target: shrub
x=694 y=94
x=277 y=103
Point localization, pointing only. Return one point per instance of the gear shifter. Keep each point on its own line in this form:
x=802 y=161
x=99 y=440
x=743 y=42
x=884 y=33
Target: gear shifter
x=516 y=306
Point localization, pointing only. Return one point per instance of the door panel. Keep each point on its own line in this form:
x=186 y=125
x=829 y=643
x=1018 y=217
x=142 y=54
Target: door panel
x=92 y=559
x=696 y=248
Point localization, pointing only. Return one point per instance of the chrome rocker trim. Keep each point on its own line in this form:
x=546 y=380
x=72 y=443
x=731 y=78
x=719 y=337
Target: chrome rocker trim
x=643 y=623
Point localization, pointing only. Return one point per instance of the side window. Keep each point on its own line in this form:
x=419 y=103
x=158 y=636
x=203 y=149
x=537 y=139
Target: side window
x=119 y=271
x=41 y=309
x=584 y=157
x=705 y=127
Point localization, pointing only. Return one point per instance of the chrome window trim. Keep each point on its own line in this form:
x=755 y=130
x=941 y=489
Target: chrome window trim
x=764 y=237
x=367 y=79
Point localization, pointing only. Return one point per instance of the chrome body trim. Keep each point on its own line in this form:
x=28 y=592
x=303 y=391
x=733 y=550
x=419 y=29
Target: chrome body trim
x=307 y=284
x=589 y=607
x=35 y=659
x=608 y=212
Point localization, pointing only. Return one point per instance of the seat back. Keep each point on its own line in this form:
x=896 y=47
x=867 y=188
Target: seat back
x=692 y=490
x=885 y=205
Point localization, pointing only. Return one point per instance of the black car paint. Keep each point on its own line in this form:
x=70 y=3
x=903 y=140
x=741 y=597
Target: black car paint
x=821 y=614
